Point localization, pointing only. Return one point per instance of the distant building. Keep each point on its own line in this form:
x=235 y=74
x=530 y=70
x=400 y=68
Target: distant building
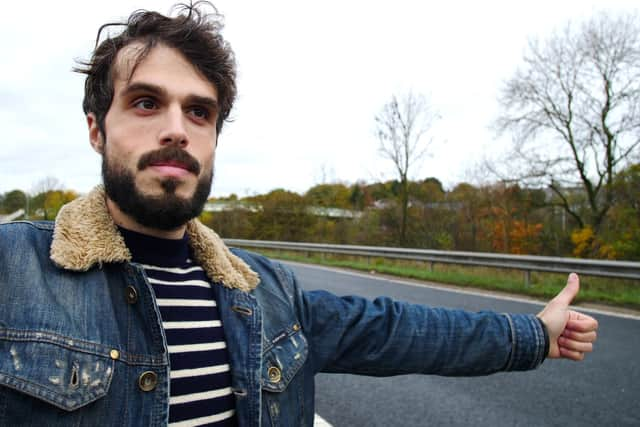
x=233 y=205
x=229 y=206
x=334 y=212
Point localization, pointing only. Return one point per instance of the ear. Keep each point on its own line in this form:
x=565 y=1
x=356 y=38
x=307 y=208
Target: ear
x=95 y=136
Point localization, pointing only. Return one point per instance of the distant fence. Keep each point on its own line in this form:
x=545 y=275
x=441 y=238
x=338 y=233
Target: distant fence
x=526 y=263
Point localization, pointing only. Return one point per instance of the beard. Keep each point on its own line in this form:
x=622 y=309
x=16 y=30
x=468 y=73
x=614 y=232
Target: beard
x=167 y=211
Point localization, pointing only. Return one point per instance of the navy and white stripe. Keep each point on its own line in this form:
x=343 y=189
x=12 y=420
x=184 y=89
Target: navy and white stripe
x=200 y=374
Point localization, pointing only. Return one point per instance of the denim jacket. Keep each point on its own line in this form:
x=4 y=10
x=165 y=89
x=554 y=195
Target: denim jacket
x=81 y=341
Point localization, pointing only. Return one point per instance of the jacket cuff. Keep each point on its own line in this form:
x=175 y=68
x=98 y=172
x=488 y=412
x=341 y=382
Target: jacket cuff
x=528 y=342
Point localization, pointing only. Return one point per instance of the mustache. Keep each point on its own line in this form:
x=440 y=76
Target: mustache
x=170 y=154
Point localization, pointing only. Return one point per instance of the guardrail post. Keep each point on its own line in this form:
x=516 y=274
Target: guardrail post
x=430 y=266
x=527 y=278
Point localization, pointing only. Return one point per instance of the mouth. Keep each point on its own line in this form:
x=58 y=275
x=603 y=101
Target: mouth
x=172 y=164
x=171 y=168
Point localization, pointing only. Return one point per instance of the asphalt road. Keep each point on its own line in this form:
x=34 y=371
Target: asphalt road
x=604 y=390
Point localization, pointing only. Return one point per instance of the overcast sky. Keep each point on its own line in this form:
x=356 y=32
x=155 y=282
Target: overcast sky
x=312 y=76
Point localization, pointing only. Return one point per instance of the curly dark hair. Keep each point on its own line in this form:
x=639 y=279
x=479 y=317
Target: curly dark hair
x=192 y=32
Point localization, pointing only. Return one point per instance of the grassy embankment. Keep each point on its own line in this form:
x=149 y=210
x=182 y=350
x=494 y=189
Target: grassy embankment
x=616 y=292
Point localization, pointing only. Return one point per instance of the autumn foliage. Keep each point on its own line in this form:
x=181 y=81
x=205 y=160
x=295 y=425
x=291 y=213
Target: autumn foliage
x=490 y=218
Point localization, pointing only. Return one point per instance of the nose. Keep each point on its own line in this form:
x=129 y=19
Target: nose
x=174 y=130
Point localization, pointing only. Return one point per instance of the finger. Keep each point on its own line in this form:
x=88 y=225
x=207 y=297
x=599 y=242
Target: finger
x=570 y=291
x=576 y=315
x=587 y=324
x=579 y=346
x=571 y=354
x=580 y=336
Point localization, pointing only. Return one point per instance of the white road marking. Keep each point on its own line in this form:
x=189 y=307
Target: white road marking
x=318 y=421
x=488 y=294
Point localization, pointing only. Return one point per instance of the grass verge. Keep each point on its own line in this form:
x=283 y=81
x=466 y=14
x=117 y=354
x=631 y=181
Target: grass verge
x=614 y=292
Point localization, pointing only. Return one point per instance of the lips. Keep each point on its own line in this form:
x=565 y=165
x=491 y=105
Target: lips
x=171 y=164
x=169 y=171
x=171 y=168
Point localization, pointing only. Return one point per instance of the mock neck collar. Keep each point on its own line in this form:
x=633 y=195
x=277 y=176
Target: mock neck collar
x=157 y=251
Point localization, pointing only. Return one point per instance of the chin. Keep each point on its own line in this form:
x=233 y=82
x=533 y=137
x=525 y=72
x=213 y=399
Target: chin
x=177 y=188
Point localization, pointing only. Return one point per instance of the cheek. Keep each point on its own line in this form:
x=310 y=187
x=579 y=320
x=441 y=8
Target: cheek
x=122 y=155
x=124 y=142
x=207 y=165
x=205 y=156
x=125 y=136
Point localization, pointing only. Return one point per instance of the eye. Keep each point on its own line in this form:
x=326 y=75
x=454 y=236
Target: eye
x=145 y=104
x=200 y=113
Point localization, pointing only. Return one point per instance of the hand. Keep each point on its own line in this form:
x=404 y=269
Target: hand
x=571 y=334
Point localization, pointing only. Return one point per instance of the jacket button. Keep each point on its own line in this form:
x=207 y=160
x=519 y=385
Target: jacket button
x=114 y=354
x=148 y=381
x=275 y=375
x=132 y=294
x=296 y=327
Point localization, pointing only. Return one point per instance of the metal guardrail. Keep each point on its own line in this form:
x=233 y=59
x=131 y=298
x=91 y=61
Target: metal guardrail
x=11 y=216
x=526 y=263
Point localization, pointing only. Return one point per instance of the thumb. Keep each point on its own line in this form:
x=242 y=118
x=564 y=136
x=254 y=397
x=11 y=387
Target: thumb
x=570 y=290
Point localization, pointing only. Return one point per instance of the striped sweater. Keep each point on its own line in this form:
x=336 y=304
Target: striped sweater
x=200 y=375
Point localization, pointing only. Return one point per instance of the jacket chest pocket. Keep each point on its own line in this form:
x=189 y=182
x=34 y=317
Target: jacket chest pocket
x=62 y=376
x=283 y=389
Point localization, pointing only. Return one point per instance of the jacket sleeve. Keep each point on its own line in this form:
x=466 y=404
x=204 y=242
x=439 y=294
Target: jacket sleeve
x=386 y=337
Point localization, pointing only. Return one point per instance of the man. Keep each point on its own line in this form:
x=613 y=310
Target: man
x=128 y=311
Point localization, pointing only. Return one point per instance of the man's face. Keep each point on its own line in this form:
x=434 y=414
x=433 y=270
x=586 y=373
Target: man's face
x=160 y=138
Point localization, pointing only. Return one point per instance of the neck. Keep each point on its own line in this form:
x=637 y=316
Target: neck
x=125 y=221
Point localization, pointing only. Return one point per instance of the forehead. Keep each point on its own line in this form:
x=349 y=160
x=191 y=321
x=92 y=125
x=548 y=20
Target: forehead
x=162 y=66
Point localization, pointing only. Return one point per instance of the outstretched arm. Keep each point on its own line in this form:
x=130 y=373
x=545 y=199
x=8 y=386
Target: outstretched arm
x=571 y=334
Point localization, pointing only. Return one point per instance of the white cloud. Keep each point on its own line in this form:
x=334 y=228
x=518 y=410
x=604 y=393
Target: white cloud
x=311 y=78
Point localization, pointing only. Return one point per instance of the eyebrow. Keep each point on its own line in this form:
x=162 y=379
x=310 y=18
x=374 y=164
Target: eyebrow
x=204 y=101
x=144 y=87
x=159 y=91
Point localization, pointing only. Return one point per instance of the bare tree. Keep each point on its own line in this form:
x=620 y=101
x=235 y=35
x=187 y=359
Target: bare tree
x=574 y=110
x=40 y=191
x=400 y=127
x=46 y=184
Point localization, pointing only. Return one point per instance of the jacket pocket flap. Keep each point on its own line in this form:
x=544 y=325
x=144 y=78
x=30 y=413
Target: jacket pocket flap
x=62 y=376
x=282 y=361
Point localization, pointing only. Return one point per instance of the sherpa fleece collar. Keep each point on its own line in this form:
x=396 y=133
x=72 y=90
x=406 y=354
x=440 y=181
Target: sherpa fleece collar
x=85 y=235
